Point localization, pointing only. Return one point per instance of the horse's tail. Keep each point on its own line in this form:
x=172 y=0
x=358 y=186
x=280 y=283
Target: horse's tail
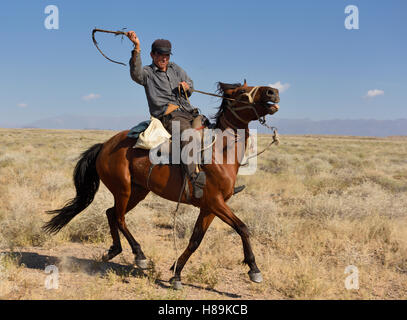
x=86 y=181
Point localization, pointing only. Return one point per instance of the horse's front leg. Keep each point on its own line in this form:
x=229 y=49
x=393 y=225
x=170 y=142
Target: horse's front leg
x=221 y=210
x=202 y=224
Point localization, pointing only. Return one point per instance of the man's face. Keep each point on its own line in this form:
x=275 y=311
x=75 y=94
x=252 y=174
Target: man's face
x=160 y=60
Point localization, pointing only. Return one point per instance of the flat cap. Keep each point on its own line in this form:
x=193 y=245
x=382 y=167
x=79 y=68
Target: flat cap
x=161 y=46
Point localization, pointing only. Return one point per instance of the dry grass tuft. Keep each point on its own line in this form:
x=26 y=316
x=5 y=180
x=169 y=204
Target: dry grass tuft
x=204 y=274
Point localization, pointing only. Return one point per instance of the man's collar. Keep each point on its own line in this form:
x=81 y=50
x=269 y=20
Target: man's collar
x=155 y=68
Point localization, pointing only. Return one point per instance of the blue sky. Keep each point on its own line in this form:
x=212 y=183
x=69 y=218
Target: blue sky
x=325 y=69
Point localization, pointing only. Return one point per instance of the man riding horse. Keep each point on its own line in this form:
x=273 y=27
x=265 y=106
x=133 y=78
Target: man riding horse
x=163 y=81
x=128 y=174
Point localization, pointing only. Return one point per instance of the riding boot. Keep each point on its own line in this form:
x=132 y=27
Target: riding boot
x=199 y=184
x=198 y=180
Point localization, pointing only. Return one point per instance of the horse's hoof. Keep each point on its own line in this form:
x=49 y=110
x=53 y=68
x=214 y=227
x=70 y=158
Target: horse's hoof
x=141 y=263
x=176 y=284
x=110 y=254
x=105 y=257
x=256 y=276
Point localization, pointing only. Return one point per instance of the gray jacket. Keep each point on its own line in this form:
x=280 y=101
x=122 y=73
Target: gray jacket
x=161 y=87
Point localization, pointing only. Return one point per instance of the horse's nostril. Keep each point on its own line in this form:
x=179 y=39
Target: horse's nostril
x=269 y=93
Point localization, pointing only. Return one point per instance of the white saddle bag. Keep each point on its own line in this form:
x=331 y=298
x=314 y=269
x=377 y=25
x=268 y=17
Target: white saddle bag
x=153 y=136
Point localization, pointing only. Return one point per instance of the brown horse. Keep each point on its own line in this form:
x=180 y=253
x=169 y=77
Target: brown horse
x=127 y=173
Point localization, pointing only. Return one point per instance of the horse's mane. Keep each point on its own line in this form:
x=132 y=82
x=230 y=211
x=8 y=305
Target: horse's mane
x=221 y=88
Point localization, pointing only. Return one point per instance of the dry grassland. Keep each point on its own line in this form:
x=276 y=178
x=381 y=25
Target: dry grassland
x=316 y=205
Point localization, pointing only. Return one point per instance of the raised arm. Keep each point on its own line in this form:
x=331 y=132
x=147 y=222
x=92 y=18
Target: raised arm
x=136 y=70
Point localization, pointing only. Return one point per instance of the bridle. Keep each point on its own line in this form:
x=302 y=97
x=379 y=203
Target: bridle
x=250 y=104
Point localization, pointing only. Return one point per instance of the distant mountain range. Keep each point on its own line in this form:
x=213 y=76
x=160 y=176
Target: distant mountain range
x=86 y=122
x=357 y=127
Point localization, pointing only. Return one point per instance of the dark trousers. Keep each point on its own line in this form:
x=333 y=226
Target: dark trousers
x=185 y=120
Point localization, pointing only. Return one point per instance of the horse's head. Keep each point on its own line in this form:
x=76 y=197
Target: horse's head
x=246 y=103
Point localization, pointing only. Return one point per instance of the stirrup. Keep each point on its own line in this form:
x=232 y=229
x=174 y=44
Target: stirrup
x=199 y=184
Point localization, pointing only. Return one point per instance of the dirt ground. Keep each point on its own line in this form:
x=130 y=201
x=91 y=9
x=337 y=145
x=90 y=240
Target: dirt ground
x=81 y=275
x=316 y=206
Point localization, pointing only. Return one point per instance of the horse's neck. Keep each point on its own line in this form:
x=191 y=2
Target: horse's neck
x=232 y=123
x=241 y=135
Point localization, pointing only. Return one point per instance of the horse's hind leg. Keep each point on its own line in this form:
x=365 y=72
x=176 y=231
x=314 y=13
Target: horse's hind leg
x=116 y=247
x=124 y=205
x=115 y=216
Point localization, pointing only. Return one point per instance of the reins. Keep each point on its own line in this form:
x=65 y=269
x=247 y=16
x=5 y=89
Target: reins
x=248 y=104
x=174 y=227
x=250 y=96
x=275 y=140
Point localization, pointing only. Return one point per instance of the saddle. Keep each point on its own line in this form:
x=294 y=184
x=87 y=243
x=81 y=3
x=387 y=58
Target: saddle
x=151 y=135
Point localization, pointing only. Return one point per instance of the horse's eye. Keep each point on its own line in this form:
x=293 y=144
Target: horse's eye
x=242 y=91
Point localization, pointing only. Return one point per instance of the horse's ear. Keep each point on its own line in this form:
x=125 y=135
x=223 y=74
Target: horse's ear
x=244 y=84
x=221 y=87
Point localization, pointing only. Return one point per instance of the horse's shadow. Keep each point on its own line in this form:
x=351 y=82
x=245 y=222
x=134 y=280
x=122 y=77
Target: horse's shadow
x=37 y=261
